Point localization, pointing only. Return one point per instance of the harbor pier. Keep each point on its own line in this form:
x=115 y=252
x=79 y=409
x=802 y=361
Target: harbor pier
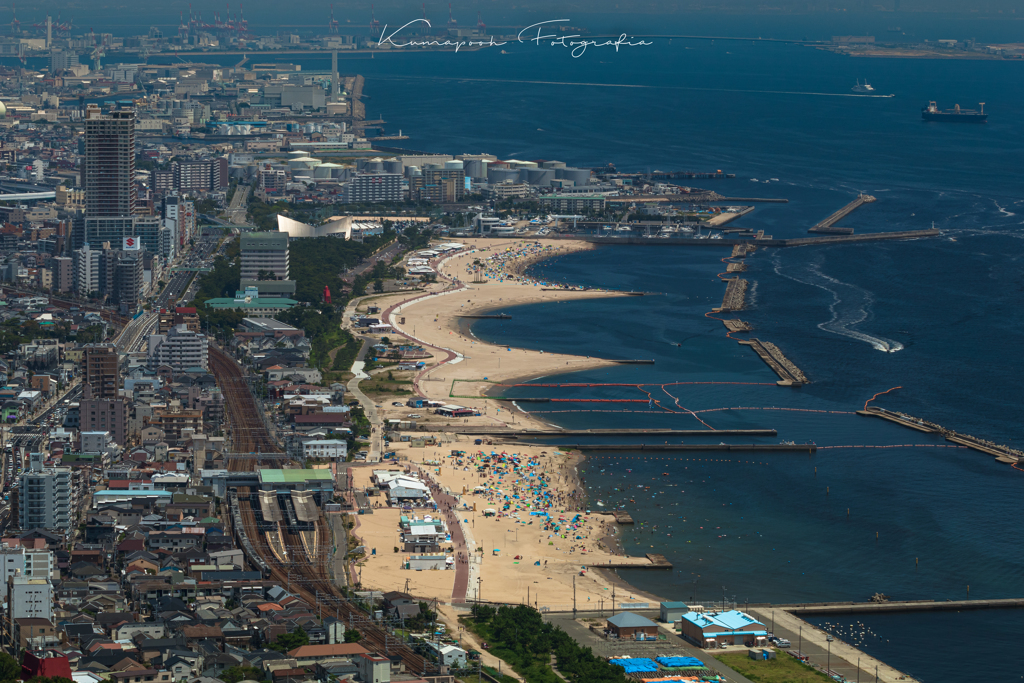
x=789 y=374
x=829 y=224
x=1001 y=452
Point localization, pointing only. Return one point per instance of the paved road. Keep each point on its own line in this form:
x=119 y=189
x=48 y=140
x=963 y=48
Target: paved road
x=447 y=505
x=386 y=255
x=239 y=203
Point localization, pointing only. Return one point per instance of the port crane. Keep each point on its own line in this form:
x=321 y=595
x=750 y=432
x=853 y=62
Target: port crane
x=374 y=24
x=332 y=25
x=481 y=27
x=452 y=24
x=15 y=24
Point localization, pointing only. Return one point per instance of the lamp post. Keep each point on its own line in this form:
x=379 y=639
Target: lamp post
x=828 y=661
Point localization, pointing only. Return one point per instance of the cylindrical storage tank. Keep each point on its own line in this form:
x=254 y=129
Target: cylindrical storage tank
x=393 y=166
x=361 y=164
x=453 y=165
x=500 y=175
x=579 y=176
x=324 y=171
x=411 y=171
x=553 y=164
x=308 y=128
x=474 y=168
x=299 y=163
x=374 y=166
x=540 y=177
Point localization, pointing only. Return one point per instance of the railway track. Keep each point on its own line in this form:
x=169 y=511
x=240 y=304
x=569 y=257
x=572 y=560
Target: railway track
x=310 y=579
x=248 y=431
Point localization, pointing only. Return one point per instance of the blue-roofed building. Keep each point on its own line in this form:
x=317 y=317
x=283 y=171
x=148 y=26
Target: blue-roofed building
x=715 y=629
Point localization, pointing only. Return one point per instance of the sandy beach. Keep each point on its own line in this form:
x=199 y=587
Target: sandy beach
x=434 y=320
x=540 y=541
x=517 y=556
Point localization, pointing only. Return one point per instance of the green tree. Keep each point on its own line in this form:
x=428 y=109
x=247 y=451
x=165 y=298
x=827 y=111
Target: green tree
x=235 y=674
x=289 y=641
x=48 y=679
x=10 y=670
x=378 y=285
x=265 y=275
x=352 y=635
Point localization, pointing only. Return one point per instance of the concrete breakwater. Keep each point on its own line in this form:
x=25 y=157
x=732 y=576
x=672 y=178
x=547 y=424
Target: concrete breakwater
x=737 y=325
x=731 y=447
x=901 y=606
x=828 y=224
x=735 y=295
x=793 y=242
x=743 y=250
x=789 y=374
x=476 y=430
x=1002 y=452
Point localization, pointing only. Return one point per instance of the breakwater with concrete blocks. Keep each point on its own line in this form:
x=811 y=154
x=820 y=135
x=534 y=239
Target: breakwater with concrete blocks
x=768 y=242
x=1001 y=452
x=828 y=224
x=825 y=608
x=735 y=295
x=763 y=200
x=717 y=447
x=737 y=325
x=657 y=561
x=529 y=433
x=789 y=374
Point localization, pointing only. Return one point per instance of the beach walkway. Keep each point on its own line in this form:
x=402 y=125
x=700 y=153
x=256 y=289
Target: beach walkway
x=446 y=505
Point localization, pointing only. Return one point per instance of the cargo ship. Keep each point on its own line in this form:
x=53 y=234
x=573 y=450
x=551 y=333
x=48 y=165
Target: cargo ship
x=956 y=114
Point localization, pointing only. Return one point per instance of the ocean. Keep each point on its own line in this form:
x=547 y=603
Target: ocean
x=940 y=318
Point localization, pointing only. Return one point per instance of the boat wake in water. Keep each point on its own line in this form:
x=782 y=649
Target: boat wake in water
x=850 y=305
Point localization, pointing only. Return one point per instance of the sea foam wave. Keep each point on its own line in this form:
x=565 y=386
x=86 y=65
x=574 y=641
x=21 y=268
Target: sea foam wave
x=851 y=305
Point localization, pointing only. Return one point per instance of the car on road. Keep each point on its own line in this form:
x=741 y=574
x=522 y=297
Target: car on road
x=396 y=403
x=414 y=416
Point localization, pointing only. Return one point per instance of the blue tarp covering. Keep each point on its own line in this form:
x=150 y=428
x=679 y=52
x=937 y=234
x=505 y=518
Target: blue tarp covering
x=637 y=665
x=679 y=661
